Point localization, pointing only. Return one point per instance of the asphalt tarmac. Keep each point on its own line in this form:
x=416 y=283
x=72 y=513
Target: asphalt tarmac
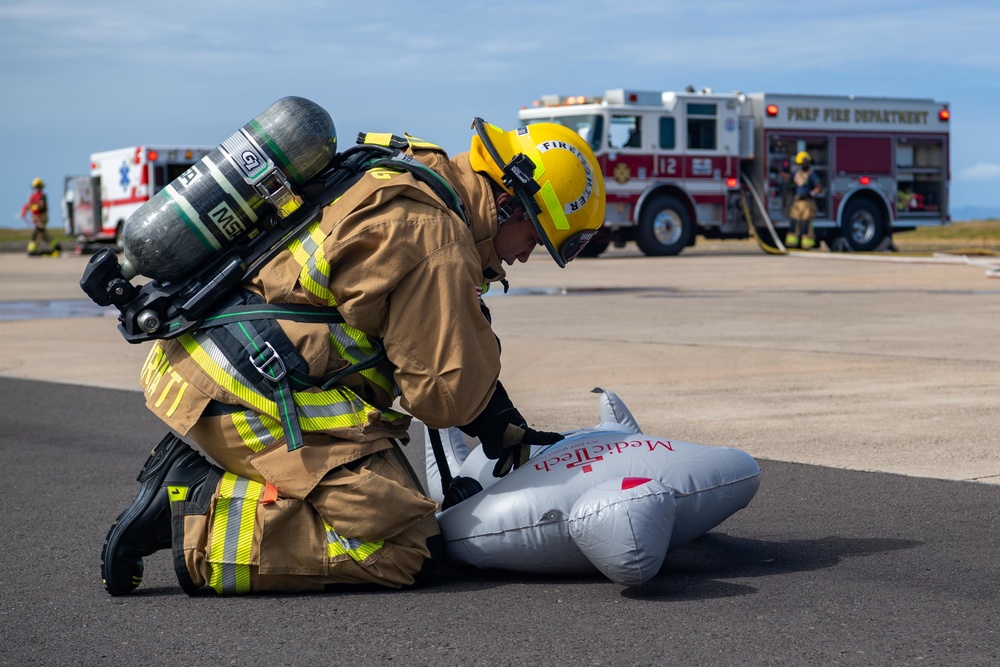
x=846 y=563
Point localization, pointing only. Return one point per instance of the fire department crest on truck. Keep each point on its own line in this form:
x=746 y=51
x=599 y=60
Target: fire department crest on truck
x=679 y=165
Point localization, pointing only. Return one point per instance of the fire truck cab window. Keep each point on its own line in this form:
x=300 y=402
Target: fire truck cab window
x=625 y=132
x=701 y=126
x=668 y=133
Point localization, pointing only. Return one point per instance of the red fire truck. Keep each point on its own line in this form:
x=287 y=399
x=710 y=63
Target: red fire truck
x=682 y=164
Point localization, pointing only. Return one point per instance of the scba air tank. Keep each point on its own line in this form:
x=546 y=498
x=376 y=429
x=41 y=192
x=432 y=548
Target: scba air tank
x=232 y=194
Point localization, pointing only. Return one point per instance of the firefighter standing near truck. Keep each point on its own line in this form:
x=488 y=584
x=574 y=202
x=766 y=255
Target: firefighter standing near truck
x=803 y=212
x=406 y=269
x=38 y=208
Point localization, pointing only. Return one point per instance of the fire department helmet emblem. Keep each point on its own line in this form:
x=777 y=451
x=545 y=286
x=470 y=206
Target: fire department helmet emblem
x=622 y=172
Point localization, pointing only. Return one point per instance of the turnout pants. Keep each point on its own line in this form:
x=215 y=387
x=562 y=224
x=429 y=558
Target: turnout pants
x=304 y=520
x=803 y=214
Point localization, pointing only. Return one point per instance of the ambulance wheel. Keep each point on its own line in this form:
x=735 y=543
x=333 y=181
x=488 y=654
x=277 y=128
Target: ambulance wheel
x=664 y=227
x=864 y=226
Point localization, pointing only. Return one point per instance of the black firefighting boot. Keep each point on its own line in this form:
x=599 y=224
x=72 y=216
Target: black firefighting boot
x=144 y=527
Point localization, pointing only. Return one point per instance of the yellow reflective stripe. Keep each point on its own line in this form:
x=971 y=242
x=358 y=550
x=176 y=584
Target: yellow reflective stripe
x=353 y=547
x=231 y=544
x=353 y=345
x=314 y=276
x=378 y=138
x=225 y=377
x=375 y=377
x=256 y=431
x=318 y=411
x=419 y=143
x=336 y=408
x=553 y=206
x=332 y=408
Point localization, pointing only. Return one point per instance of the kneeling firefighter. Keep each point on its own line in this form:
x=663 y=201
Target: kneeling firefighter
x=310 y=489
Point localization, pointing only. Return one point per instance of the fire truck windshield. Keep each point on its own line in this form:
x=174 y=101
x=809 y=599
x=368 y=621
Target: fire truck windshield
x=589 y=126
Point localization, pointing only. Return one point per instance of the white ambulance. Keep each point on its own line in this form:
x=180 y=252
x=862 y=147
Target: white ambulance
x=125 y=178
x=682 y=164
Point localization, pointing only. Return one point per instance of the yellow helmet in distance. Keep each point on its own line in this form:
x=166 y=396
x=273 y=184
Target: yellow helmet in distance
x=553 y=173
x=38 y=183
x=802 y=156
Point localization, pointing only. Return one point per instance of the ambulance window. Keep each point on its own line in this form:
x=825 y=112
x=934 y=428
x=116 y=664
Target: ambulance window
x=625 y=132
x=701 y=130
x=159 y=178
x=668 y=133
x=175 y=170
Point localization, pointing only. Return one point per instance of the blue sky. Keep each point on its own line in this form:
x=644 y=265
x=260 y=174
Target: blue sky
x=79 y=77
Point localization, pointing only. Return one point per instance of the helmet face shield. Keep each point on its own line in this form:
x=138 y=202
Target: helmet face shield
x=555 y=176
x=572 y=246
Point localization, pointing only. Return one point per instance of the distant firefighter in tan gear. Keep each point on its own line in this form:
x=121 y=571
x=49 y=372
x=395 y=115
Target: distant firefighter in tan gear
x=311 y=489
x=803 y=212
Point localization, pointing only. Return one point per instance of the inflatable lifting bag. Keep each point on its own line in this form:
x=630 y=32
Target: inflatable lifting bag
x=610 y=499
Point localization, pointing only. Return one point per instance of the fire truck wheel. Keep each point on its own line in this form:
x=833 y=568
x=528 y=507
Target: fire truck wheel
x=863 y=226
x=664 y=227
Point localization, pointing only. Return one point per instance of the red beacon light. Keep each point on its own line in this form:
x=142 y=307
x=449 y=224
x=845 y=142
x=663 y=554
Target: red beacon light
x=152 y=156
x=944 y=115
x=771 y=110
x=865 y=180
x=731 y=182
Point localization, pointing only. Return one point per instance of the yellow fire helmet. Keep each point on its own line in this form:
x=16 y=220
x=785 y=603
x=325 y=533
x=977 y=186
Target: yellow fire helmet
x=802 y=156
x=553 y=173
x=38 y=183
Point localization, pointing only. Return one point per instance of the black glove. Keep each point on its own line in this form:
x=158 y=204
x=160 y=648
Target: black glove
x=505 y=436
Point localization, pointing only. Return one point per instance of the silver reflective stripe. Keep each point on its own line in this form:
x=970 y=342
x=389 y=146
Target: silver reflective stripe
x=255 y=434
x=311 y=268
x=232 y=539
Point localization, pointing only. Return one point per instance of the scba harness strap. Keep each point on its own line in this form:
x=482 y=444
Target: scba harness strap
x=245 y=328
x=246 y=332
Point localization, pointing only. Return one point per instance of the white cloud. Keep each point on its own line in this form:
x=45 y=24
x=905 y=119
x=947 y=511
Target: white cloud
x=981 y=171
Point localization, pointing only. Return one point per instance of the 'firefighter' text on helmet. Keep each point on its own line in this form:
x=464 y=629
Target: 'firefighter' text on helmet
x=553 y=172
x=802 y=157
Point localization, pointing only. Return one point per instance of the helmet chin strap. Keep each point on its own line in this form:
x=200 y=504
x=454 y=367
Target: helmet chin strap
x=507 y=210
